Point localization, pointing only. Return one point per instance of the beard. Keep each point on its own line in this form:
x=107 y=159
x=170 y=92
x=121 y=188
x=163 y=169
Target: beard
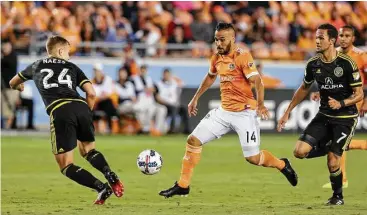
x=225 y=50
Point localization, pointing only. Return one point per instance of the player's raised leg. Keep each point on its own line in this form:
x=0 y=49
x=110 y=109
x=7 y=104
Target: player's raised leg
x=82 y=176
x=98 y=161
x=87 y=148
x=211 y=127
x=246 y=125
x=63 y=123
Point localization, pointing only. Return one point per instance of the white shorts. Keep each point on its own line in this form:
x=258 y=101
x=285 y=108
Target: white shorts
x=219 y=122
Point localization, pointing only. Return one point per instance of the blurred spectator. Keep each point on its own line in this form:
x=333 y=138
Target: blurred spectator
x=9 y=64
x=105 y=107
x=306 y=41
x=269 y=82
x=126 y=92
x=178 y=37
x=144 y=89
x=153 y=24
x=168 y=94
x=25 y=104
x=150 y=35
x=202 y=28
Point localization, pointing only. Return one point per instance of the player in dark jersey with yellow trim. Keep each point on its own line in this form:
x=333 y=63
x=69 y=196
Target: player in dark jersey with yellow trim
x=70 y=116
x=340 y=89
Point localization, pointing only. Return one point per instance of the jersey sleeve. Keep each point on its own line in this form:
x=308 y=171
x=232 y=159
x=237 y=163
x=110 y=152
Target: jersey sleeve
x=81 y=78
x=308 y=76
x=353 y=75
x=212 y=69
x=27 y=73
x=247 y=65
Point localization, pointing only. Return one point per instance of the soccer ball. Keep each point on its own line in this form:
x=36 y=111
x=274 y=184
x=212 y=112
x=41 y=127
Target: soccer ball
x=149 y=162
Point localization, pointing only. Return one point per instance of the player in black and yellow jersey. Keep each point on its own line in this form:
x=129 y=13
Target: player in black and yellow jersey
x=70 y=116
x=340 y=86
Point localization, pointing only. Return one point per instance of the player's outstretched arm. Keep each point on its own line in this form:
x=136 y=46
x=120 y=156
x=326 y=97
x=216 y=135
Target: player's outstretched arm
x=90 y=94
x=261 y=110
x=298 y=96
x=16 y=83
x=204 y=86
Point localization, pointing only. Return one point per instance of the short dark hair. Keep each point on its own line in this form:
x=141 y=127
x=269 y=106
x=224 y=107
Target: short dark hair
x=331 y=31
x=350 y=28
x=165 y=70
x=55 y=40
x=224 y=26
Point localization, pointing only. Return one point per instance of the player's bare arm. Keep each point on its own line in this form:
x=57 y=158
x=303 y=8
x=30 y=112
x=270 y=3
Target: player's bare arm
x=299 y=96
x=16 y=83
x=204 y=86
x=90 y=94
x=261 y=110
x=356 y=97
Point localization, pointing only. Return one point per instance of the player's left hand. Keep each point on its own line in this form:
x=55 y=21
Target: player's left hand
x=263 y=112
x=334 y=104
x=363 y=110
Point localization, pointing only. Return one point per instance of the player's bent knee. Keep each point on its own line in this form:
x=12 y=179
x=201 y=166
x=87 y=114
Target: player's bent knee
x=85 y=148
x=193 y=141
x=299 y=154
x=333 y=166
x=64 y=159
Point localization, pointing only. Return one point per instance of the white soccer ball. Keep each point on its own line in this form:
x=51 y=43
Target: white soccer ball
x=149 y=162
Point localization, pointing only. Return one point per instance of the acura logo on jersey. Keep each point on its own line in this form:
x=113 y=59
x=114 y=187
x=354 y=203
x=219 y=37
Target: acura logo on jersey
x=328 y=80
x=329 y=84
x=338 y=71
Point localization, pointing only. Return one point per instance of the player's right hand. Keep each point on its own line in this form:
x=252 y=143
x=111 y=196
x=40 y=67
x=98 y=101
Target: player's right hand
x=315 y=96
x=263 y=112
x=20 y=87
x=191 y=107
x=282 y=121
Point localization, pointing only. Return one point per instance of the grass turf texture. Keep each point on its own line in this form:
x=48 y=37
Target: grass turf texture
x=223 y=182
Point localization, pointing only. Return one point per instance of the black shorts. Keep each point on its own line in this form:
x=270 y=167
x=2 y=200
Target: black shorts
x=332 y=134
x=69 y=122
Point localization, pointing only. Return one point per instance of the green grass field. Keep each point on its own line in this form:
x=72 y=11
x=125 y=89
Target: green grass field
x=223 y=182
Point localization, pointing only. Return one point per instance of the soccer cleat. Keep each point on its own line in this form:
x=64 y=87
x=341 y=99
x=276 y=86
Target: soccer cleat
x=175 y=190
x=289 y=172
x=115 y=183
x=328 y=185
x=335 y=200
x=103 y=195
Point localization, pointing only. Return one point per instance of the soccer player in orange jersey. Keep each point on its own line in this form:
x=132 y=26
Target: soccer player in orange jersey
x=346 y=38
x=238 y=111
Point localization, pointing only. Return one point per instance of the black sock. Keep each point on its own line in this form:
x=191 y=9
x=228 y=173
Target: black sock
x=336 y=179
x=82 y=177
x=97 y=160
x=315 y=153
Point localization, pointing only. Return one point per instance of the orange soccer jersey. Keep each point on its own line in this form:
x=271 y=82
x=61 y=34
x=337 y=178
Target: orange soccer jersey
x=360 y=57
x=234 y=71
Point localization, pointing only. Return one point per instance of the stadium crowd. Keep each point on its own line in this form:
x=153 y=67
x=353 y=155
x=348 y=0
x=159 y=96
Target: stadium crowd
x=271 y=30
